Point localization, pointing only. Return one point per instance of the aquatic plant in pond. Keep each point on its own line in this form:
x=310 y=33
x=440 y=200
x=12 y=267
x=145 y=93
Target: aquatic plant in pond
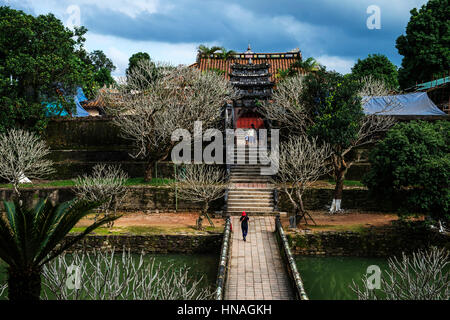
x=106 y=275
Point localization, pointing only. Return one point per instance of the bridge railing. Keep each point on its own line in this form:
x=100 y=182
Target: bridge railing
x=224 y=260
x=289 y=260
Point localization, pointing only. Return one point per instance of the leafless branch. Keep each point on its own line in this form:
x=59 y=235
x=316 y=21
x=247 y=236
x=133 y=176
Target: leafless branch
x=108 y=276
x=23 y=154
x=201 y=183
x=421 y=276
x=178 y=98
x=302 y=162
x=106 y=185
x=286 y=107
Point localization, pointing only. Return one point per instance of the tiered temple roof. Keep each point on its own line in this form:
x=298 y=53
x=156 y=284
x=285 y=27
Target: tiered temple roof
x=276 y=61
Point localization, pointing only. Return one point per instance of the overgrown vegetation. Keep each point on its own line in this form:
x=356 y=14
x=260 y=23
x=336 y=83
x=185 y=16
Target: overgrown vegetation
x=42 y=61
x=414 y=158
x=425 y=46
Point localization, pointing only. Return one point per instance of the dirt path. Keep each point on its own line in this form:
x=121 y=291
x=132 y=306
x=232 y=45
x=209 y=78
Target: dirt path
x=164 y=220
x=345 y=221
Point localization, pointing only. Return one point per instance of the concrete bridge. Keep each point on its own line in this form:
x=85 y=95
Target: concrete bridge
x=256 y=269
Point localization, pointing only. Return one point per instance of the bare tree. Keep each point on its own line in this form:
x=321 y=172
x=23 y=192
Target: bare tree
x=290 y=111
x=202 y=183
x=302 y=161
x=105 y=275
x=23 y=154
x=105 y=185
x=422 y=276
x=175 y=100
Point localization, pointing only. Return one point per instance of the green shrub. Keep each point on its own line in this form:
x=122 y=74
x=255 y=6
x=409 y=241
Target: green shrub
x=414 y=158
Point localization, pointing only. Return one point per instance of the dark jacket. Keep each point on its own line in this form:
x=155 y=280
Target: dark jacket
x=244 y=221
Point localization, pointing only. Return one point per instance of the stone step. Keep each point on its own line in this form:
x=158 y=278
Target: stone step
x=267 y=190
x=253 y=196
x=247 y=195
x=243 y=169
x=239 y=204
x=248 y=180
x=252 y=174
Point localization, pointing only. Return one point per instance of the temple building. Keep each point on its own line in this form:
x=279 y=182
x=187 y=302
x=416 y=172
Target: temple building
x=254 y=76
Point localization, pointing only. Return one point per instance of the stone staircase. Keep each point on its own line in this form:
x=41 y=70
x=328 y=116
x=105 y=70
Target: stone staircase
x=249 y=190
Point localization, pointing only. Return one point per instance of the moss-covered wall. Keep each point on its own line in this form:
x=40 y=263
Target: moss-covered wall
x=320 y=199
x=80 y=143
x=205 y=243
x=373 y=242
x=139 y=198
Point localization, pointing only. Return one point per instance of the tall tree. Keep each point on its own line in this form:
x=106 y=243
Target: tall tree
x=328 y=105
x=156 y=108
x=134 y=61
x=415 y=157
x=103 y=66
x=37 y=56
x=426 y=45
x=379 y=67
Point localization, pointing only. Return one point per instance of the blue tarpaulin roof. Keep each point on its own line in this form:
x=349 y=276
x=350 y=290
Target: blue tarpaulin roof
x=53 y=108
x=416 y=104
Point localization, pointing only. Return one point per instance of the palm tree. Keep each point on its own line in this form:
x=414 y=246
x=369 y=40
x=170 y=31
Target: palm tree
x=29 y=238
x=226 y=54
x=204 y=50
x=308 y=65
x=282 y=74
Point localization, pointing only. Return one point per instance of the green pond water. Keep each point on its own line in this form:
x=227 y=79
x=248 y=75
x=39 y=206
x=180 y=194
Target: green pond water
x=329 y=278
x=200 y=265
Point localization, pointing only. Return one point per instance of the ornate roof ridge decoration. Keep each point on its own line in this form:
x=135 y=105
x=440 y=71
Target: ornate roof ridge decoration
x=276 y=62
x=245 y=55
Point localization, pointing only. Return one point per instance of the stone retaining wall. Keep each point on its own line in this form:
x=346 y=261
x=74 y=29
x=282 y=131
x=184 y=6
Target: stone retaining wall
x=374 y=242
x=320 y=199
x=162 y=198
x=205 y=243
x=139 y=198
x=77 y=144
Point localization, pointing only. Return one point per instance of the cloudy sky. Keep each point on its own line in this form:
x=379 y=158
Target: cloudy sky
x=334 y=32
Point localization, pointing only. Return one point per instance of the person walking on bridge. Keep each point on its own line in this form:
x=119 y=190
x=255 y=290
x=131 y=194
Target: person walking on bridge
x=244 y=224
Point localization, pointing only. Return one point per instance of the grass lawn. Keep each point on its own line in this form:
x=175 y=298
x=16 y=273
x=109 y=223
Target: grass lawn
x=70 y=183
x=149 y=230
x=149 y=224
x=351 y=220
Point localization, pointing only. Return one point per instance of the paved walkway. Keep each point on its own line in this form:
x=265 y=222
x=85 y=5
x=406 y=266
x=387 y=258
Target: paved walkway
x=256 y=269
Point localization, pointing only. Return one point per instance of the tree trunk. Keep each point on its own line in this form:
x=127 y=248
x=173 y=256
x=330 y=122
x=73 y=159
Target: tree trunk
x=340 y=169
x=24 y=284
x=149 y=171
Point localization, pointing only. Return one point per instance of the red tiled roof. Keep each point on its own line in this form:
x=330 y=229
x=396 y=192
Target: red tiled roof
x=276 y=61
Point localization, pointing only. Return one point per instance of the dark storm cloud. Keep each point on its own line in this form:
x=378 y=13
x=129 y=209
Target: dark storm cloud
x=334 y=28
x=317 y=27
